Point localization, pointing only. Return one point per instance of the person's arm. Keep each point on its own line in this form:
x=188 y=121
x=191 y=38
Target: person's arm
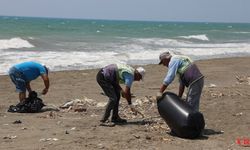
x=28 y=87
x=128 y=80
x=127 y=95
x=163 y=88
x=46 y=83
x=172 y=69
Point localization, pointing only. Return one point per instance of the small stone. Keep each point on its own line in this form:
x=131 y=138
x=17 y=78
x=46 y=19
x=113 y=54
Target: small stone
x=148 y=137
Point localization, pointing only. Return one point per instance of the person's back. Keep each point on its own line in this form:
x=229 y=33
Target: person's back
x=31 y=70
x=187 y=69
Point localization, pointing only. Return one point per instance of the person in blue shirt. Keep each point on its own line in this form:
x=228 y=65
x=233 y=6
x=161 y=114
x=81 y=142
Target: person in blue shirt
x=109 y=78
x=189 y=76
x=22 y=74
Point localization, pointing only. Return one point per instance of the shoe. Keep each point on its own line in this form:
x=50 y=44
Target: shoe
x=107 y=123
x=118 y=120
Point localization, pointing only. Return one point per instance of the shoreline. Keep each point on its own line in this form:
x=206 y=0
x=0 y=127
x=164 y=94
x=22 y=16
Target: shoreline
x=224 y=103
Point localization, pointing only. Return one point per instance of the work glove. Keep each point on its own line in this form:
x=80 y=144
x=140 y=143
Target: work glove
x=158 y=95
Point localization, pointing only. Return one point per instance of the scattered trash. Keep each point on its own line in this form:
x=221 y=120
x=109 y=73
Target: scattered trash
x=78 y=105
x=216 y=94
x=137 y=136
x=10 y=137
x=148 y=137
x=101 y=104
x=93 y=115
x=212 y=85
x=17 y=122
x=73 y=128
x=164 y=139
x=48 y=139
x=238 y=114
x=243 y=79
x=80 y=109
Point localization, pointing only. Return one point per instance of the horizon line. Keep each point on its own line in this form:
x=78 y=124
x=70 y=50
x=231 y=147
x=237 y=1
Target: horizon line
x=44 y=17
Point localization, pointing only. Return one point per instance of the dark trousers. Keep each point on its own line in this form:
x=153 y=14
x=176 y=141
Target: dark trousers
x=194 y=94
x=113 y=92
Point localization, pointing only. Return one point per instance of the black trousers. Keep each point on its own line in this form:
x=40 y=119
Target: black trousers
x=113 y=92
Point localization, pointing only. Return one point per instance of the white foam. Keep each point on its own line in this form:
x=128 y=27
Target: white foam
x=14 y=43
x=202 y=37
x=160 y=42
x=140 y=51
x=241 y=32
x=61 y=60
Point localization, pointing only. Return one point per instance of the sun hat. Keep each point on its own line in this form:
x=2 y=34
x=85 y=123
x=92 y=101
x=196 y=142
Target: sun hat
x=163 y=56
x=141 y=72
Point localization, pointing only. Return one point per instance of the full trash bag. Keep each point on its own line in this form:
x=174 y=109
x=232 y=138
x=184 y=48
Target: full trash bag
x=183 y=121
x=32 y=104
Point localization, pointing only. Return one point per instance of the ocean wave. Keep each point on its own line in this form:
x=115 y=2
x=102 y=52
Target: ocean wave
x=141 y=43
x=14 y=43
x=79 y=60
x=135 y=51
x=202 y=37
x=159 y=42
x=241 y=32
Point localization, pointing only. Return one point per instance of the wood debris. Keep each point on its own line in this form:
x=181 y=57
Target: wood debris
x=242 y=79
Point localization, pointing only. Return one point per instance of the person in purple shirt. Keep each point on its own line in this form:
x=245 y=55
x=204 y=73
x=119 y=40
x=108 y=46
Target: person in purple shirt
x=109 y=78
x=189 y=76
x=22 y=74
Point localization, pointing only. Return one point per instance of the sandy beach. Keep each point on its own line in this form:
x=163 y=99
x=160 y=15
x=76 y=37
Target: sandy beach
x=224 y=103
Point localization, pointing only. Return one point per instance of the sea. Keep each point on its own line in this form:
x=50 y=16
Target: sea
x=79 y=44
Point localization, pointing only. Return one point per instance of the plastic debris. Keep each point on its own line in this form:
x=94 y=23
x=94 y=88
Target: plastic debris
x=78 y=105
x=48 y=139
x=10 y=137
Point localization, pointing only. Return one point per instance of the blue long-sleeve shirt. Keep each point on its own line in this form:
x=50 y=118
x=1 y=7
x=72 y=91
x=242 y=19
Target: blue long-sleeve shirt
x=172 y=70
x=129 y=78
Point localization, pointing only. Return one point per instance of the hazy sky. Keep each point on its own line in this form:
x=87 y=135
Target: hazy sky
x=157 y=10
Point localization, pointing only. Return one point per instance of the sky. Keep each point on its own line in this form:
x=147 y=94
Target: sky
x=148 y=10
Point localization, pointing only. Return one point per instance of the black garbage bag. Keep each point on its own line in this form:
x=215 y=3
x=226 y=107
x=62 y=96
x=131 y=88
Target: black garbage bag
x=32 y=104
x=183 y=121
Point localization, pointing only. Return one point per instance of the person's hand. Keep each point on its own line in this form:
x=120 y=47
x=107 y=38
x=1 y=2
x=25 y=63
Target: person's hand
x=158 y=95
x=45 y=90
x=132 y=108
